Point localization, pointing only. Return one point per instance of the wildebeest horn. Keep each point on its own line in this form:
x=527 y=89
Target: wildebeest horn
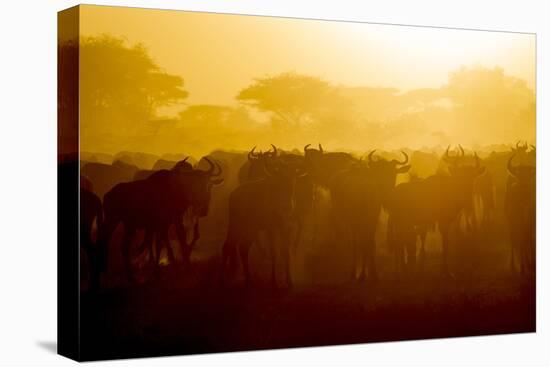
x=533 y=148
x=461 y=150
x=185 y=159
x=320 y=148
x=305 y=148
x=371 y=155
x=274 y=153
x=525 y=146
x=477 y=159
x=404 y=162
x=451 y=160
x=251 y=154
x=211 y=169
x=446 y=155
x=518 y=143
x=510 y=167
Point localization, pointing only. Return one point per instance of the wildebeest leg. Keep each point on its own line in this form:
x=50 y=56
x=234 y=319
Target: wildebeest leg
x=196 y=233
x=285 y=243
x=371 y=254
x=243 y=251
x=129 y=233
x=444 y=229
x=364 y=262
x=271 y=245
x=185 y=249
x=423 y=231
x=297 y=234
x=512 y=251
x=353 y=270
x=411 y=253
x=228 y=249
x=166 y=243
x=148 y=244
x=105 y=234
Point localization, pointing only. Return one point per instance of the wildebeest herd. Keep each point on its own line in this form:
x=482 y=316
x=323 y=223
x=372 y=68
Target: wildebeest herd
x=269 y=198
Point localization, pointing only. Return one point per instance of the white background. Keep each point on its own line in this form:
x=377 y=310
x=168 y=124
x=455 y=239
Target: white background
x=28 y=182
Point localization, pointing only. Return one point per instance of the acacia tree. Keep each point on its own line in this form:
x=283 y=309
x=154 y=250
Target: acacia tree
x=492 y=103
x=121 y=89
x=291 y=97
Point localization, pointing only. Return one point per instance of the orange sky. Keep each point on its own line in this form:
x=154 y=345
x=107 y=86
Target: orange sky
x=220 y=54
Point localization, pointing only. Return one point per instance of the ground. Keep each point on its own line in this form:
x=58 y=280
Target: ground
x=184 y=311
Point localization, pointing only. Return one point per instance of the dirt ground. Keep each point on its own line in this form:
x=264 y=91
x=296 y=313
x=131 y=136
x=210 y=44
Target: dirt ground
x=186 y=311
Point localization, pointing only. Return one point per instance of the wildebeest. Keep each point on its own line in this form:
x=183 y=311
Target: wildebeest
x=105 y=176
x=262 y=205
x=157 y=203
x=254 y=167
x=183 y=165
x=91 y=211
x=520 y=209
x=357 y=197
x=162 y=239
x=322 y=166
x=416 y=206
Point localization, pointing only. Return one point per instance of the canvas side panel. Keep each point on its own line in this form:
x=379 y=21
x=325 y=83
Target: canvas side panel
x=68 y=183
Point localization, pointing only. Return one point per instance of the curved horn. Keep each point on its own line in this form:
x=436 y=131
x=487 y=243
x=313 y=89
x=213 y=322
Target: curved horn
x=477 y=159
x=461 y=150
x=305 y=148
x=525 y=146
x=219 y=169
x=211 y=169
x=320 y=148
x=510 y=167
x=371 y=154
x=517 y=144
x=404 y=162
x=186 y=158
x=251 y=154
x=533 y=148
x=274 y=153
x=449 y=159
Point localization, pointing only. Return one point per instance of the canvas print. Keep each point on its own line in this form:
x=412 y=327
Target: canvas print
x=235 y=182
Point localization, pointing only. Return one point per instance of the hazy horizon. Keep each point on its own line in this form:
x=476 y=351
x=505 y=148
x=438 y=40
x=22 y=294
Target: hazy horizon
x=406 y=85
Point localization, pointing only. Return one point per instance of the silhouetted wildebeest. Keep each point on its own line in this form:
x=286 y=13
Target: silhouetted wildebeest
x=162 y=239
x=254 y=167
x=139 y=159
x=143 y=174
x=484 y=195
x=262 y=205
x=418 y=205
x=357 y=197
x=105 y=176
x=521 y=214
x=496 y=163
x=91 y=210
x=157 y=203
x=164 y=164
x=322 y=166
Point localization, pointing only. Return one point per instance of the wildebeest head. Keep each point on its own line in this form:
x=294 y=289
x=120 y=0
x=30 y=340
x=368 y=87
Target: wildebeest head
x=524 y=174
x=384 y=172
x=281 y=176
x=312 y=157
x=199 y=185
x=463 y=175
x=183 y=166
x=257 y=162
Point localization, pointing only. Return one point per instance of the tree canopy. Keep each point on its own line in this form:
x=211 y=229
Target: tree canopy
x=292 y=97
x=121 y=88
